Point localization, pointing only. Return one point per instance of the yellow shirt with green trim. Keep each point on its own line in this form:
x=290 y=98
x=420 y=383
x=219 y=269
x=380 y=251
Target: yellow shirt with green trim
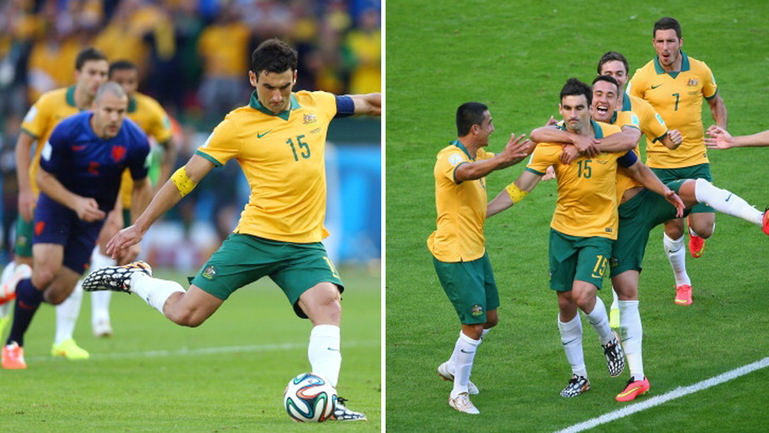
x=640 y=114
x=42 y=118
x=677 y=97
x=153 y=120
x=587 y=199
x=283 y=159
x=461 y=208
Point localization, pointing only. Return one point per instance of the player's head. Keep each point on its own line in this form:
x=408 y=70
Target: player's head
x=667 y=41
x=91 y=68
x=273 y=74
x=109 y=109
x=605 y=97
x=576 y=99
x=126 y=74
x=615 y=65
x=474 y=119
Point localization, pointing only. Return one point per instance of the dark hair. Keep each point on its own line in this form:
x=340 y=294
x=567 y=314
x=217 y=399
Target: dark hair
x=469 y=114
x=612 y=56
x=273 y=55
x=87 y=55
x=121 y=65
x=574 y=87
x=608 y=79
x=667 y=23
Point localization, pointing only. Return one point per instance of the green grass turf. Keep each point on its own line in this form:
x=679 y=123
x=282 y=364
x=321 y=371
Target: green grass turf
x=515 y=57
x=226 y=375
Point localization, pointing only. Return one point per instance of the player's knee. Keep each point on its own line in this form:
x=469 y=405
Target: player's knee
x=703 y=230
x=42 y=277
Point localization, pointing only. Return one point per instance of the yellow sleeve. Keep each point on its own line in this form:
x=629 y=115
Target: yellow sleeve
x=652 y=124
x=636 y=85
x=160 y=129
x=709 y=87
x=36 y=119
x=448 y=162
x=543 y=157
x=222 y=145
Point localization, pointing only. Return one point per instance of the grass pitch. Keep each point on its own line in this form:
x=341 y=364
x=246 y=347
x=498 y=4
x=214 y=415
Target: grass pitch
x=515 y=56
x=227 y=375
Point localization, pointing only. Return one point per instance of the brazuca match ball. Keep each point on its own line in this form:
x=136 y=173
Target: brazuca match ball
x=309 y=398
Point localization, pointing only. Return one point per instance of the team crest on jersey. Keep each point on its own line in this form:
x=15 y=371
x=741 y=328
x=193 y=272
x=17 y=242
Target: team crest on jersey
x=209 y=273
x=118 y=153
x=693 y=82
x=477 y=310
x=310 y=119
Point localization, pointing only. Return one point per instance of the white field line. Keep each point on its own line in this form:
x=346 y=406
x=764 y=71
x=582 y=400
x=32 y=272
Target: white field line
x=672 y=395
x=207 y=351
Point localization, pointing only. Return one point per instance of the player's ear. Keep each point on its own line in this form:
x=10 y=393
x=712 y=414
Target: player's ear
x=252 y=78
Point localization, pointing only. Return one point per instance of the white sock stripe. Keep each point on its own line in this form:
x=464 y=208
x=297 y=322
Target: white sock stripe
x=664 y=398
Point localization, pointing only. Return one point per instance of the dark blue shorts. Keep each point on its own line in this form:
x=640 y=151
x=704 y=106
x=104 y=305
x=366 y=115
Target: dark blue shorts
x=57 y=224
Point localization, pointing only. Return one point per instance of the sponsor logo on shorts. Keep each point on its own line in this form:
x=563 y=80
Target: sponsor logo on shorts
x=477 y=310
x=209 y=273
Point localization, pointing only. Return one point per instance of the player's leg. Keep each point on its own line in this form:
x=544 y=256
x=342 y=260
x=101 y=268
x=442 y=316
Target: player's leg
x=631 y=328
x=694 y=191
x=22 y=250
x=29 y=296
x=100 y=319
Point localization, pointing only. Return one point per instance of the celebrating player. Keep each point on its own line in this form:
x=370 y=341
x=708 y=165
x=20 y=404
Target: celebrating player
x=675 y=85
x=79 y=178
x=583 y=228
x=458 y=244
x=279 y=141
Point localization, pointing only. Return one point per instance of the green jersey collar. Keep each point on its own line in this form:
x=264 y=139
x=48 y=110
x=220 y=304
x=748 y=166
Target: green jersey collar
x=71 y=96
x=597 y=129
x=132 y=104
x=684 y=65
x=462 y=147
x=256 y=105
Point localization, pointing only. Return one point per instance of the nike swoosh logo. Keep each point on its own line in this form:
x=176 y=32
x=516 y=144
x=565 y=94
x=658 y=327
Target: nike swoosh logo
x=730 y=196
x=654 y=87
x=630 y=391
x=263 y=134
x=569 y=342
x=332 y=349
x=463 y=351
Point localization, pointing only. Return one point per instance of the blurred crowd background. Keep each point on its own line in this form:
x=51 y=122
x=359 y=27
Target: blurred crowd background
x=193 y=58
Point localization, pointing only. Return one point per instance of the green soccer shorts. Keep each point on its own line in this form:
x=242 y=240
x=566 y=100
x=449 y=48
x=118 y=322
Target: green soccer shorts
x=701 y=171
x=637 y=217
x=576 y=258
x=243 y=259
x=470 y=287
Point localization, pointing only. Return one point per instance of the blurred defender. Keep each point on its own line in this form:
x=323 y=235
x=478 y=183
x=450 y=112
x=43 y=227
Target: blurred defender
x=279 y=141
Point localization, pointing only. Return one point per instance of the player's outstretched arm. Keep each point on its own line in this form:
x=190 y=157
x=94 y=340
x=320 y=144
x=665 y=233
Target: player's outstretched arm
x=649 y=180
x=718 y=110
x=167 y=162
x=369 y=103
x=170 y=194
x=513 y=193
x=516 y=150
x=719 y=138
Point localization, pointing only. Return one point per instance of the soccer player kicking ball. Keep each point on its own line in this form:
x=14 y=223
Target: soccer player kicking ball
x=279 y=141
x=458 y=244
x=80 y=169
x=583 y=228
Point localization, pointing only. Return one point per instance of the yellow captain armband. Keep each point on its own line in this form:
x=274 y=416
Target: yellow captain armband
x=183 y=183
x=516 y=193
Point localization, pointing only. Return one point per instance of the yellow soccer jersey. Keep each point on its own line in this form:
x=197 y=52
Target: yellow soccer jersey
x=42 y=118
x=153 y=120
x=461 y=208
x=677 y=97
x=640 y=114
x=587 y=200
x=282 y=157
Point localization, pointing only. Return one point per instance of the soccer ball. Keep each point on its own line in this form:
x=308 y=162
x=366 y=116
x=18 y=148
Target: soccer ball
x=309 y=398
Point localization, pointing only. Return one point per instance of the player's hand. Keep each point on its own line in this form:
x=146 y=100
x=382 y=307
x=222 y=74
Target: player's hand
x=517 y=149
x=676 y=201
x=549 y=174
x=551 y=121
x=129 y=255
x=26 y=204
x=676 y=137
x=588 y=146
x=111 y=226
x=118 y=246
x=88 y=210
x=719 y=138
x=569 y=154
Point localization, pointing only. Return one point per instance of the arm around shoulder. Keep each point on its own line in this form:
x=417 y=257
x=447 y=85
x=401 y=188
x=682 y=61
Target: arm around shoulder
x=369 y=104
